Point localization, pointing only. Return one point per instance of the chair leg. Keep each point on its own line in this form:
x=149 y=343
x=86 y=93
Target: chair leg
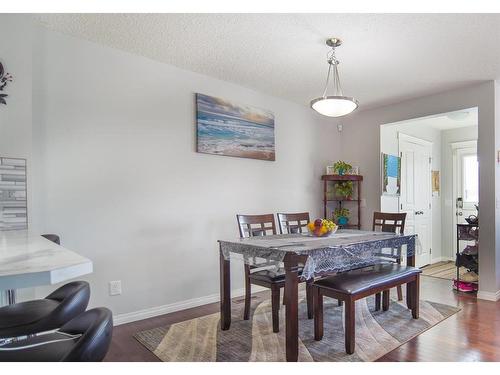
x=275 y=307
x=309 y=299
x=399 y=288
x=318 y=313
x=385 y=300
x=350 y=323
x=377 y=301
x=248 y=293
x=284 y=297
x=416 y=297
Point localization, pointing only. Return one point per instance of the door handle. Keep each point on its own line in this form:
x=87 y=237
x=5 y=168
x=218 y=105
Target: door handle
x=419 y=212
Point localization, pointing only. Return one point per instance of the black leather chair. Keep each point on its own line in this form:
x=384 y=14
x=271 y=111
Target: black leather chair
x=53 y=237
x=85 y=338
x=52 y=312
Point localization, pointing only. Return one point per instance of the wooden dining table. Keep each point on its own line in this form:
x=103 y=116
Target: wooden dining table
x=344 y=250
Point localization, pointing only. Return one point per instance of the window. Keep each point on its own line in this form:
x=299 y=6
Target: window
x=470 y=177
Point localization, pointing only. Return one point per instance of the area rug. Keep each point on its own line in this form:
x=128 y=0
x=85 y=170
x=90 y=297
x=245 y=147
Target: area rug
x=443 y=270
x=377 y=333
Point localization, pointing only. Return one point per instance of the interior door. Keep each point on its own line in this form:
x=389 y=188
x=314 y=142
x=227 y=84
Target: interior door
x=415 y=198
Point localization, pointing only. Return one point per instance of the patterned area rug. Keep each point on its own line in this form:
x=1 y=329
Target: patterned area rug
x=443 y=270
x=377 y=333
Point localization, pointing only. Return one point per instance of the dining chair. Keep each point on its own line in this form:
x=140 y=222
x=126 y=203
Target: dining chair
x=293 y=223
x=262 y=225
x=394 y=223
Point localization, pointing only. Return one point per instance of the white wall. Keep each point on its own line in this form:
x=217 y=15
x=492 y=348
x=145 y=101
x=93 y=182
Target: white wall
x=15 y=117
x=389 y=144
x=123 y=185
x=449 y=137
x=360 y=142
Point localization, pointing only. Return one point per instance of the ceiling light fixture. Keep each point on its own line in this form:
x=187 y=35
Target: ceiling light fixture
x=335 y=105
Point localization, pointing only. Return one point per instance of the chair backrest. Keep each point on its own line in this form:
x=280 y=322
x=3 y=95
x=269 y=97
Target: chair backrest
x=389 y=222
x=256 y=225
x=96 y=328
x=293 y=223
x=53 y=237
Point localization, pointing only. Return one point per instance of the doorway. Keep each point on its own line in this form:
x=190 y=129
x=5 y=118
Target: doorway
x=439 y=181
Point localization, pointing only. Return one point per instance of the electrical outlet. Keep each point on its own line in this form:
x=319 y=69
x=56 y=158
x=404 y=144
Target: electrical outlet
x=362 y=203
x=115 y=288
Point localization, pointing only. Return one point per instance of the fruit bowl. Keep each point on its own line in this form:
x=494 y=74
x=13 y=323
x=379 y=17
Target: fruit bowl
x=322 y=228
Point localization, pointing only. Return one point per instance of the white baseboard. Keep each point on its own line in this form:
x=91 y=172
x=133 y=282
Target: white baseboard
x=176 y=306
x=441 y=259
x=489 y=296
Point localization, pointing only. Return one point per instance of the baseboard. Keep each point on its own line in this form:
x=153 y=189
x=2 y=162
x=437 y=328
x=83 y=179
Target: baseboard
x=176 y=306
x=441 y=259
x=489 y=296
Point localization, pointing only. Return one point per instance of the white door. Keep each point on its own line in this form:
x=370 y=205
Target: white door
x=415 y=198
x=465 y=181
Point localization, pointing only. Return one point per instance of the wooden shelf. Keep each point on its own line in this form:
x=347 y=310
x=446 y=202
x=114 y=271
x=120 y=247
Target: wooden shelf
x=356 y=179
x=345 y=177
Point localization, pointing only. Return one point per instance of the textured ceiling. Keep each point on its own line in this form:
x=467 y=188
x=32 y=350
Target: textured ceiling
x=384 y=59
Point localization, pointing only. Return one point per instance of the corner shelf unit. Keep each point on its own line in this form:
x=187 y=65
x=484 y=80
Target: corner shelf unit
x=332 y=179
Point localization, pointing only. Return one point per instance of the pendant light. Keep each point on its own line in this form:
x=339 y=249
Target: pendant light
x=335 y=105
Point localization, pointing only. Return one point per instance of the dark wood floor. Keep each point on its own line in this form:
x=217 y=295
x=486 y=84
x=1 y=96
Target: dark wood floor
x=473 y=334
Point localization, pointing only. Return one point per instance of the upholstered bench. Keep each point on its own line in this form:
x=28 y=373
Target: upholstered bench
x=353 y=285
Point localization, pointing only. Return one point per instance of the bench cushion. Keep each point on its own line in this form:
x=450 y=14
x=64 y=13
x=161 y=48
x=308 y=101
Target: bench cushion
x=358 y=281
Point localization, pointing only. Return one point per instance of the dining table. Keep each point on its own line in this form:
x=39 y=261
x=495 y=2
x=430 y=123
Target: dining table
x=342 y=251
x=28 y=260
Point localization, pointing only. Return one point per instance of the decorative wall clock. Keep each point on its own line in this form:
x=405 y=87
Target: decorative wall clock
x=5 y=78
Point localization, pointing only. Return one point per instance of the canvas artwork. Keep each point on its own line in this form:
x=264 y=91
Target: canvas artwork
x=230 y=129
x=13 y=203
x=391 y=175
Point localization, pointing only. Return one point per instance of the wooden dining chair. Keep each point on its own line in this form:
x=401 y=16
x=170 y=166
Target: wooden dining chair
x=262 y=225
x=293 y=223
x=394 y=223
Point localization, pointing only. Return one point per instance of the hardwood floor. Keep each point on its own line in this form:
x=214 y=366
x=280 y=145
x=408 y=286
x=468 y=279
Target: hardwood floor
x=473 y=334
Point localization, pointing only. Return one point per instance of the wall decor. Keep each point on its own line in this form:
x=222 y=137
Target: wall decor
x=391 y=175
x=330 y=169
x=230 y=129
x=435 y=183
x=5 y=78
x=13 y=202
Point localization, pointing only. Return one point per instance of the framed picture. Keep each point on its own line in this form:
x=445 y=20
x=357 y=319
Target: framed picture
x=391 y=175
x=435 y=183
x=13 y=203
x=230 y=129
x=330 y=169
x=355 y=170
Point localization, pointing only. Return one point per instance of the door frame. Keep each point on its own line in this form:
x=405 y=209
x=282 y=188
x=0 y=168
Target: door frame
x=455 y=183
x=405 y=137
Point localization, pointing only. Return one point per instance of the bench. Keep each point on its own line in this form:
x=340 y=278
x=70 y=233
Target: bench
x=353 y=285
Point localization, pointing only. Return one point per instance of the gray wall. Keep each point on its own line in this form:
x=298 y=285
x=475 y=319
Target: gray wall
x=360 y=142
x=122 y=182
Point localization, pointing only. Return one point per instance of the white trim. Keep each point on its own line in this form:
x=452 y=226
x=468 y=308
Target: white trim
x=441 y=259
x=176 y=306
x=419 y=141
x=464 y=144
x=489 y=296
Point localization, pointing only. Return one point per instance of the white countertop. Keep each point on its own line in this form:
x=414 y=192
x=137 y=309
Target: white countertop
x=27 y=260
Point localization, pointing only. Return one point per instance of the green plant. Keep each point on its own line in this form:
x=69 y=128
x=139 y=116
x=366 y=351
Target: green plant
x=341 y=212
x=341 y=167
x=344 y=189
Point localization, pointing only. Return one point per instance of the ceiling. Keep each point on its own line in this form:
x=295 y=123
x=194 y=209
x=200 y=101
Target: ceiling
x=384 y=58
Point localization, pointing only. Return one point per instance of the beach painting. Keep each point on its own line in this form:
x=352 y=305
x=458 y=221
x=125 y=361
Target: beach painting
x=230 y=129
x=391 y=175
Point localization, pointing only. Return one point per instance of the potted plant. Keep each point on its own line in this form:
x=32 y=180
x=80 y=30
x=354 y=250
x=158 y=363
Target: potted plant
x=341 y=167
x=341 y=215
x=344 y=189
